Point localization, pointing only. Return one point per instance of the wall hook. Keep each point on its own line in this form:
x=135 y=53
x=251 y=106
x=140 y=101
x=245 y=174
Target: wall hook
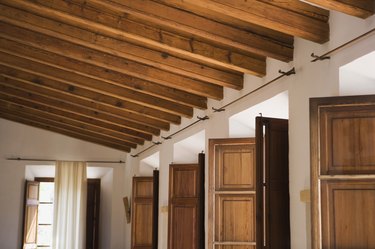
x=290 y=72
x=319 y=58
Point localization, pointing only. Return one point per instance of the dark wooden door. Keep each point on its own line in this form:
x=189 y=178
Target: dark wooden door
x=185 y=209
x=92 y=213
x=232 y=194
x=142 y=213
x=272 y=183
x=343 y=172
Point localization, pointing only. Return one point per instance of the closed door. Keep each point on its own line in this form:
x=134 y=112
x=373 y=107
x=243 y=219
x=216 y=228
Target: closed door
x=232 y=194
x=343 y=172
x=185 y=220
x=142 y=213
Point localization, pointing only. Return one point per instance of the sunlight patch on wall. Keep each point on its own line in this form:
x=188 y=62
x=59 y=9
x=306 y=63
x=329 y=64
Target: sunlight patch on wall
x=242 y=124
x=187 y=150
x=358 y=76
x=148 y=164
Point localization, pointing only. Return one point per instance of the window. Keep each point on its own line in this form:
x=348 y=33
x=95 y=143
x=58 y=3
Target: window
x=38 y=214
x=45 y=213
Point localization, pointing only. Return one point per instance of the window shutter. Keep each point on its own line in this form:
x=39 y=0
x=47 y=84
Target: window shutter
x=30 y=223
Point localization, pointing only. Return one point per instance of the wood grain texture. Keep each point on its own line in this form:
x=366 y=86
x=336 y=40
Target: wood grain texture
x=269 y=16
x=347 y=219
x=362 y=9
x=17 y=88
x=184 y=206
x=142 y=213
x=27 y=121
x=183 y=22
x=91 y=73
x=344 y=198
x=232 y=222
x=153 y=37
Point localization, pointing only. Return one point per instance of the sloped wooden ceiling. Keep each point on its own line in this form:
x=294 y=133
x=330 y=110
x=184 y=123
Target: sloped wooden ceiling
x=117 y=72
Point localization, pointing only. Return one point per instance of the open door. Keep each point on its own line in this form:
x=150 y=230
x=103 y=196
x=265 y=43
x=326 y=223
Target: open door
x=30 y=226
x=343 y=172
x=272 y=149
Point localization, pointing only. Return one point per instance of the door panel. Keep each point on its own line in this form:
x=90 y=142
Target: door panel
x=236 y=218
x=232 y=216
x=184 y=225
x=143 y=228
x=185 y=220
x=343 y=172
x=344 y=225
x=347 y=139
x=231 y=171
x=142 y=213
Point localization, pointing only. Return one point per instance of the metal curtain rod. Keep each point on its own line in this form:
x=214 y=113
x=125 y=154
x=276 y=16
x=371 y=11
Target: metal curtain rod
x=283 y=74
x=326 y=55
x=170 y=136
x=51 y=160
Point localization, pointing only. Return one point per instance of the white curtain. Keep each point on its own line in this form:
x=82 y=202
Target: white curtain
x=69 y=223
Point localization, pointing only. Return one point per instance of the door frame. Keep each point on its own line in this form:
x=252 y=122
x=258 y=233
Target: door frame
x=315 y=105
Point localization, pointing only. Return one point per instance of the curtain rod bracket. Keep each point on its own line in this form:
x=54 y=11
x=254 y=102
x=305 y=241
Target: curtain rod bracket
x=166 y=138
x=157 y=143
x=221 y=109
x=136 y=155
x=203 y=118
x=319 y=58
x=290 y=72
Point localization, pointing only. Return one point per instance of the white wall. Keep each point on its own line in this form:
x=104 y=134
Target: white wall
x=18 y=140
x=312 y=80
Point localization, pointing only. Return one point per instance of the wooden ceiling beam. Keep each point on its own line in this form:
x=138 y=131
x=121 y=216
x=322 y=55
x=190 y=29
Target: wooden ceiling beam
x=266 y=15
x=123 y=131
x=276 y=36
x=93 y=111
x=66 y=132
x=48 y=93
x=88 y=72
x=186 y=23
x=65 y=123
x=141 y=33
x=108 y=39
x=70 y=96
x=45 y=76
x=103 y=59
x=300 y=7
x=362 y=8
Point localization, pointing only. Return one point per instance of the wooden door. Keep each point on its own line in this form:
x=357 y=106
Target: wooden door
x=185 y=218
x=272 y=183
x=232 y=194
x=142 y=213
x=343 y=172
x=30 y=226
